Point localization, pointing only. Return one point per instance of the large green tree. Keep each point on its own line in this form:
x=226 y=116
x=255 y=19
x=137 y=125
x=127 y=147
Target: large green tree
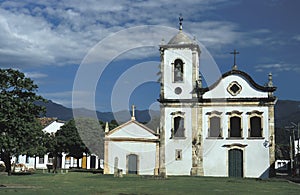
x=21 y=132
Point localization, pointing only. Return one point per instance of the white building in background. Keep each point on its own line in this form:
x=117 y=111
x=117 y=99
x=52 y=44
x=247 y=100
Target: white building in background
x=40 y=162
x=224 y=130
x=64 y=162
x=297 y=146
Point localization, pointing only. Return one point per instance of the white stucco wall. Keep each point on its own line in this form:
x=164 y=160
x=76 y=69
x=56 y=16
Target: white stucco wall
x=146 y=152
x=255 y=154
x=21 y=159
x=183 y=166
x=64 y=164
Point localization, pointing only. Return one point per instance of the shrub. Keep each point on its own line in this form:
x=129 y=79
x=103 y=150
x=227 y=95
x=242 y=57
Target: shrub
x=2 y=168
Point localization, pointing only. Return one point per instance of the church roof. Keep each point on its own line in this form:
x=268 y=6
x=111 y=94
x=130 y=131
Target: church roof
x=243 y=74
x=180 y=38
x=53 y=127
x=129 y=123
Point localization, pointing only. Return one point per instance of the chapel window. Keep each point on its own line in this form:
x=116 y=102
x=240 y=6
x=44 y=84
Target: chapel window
x=178 y=70
x=255 y=126
x=215 y=127
x=235 y=127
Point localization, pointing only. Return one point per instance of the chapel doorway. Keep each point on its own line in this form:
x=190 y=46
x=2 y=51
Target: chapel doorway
x=235 y=164
x=132 y=164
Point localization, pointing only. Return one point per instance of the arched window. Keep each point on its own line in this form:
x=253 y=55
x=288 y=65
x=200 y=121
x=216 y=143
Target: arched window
x=235 y=127
x=178 y=70
x=255 y=126
x=178 y=126
x=215 y=127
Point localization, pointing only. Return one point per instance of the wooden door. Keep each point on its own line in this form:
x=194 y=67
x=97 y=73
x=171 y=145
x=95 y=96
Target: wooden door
x=83 y=162
x=93 y=162
x=132 y=164
x=235 y=165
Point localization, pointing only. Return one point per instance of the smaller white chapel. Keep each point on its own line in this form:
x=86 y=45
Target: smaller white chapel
x=223 y=130
x=131 y=147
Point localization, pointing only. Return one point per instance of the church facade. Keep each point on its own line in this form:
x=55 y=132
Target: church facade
x=224 y=130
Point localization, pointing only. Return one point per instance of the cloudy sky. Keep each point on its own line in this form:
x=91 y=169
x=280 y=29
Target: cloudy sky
x=51 y=40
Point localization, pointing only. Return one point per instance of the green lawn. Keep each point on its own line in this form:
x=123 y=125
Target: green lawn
x=88 y=183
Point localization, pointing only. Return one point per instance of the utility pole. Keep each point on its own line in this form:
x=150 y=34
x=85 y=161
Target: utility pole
x=291 y=154
x=292 y=146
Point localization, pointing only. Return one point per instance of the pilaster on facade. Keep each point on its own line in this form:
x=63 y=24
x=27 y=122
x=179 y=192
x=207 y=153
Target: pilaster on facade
x=162 y=162
x=106 y=165
x=271 y=140
x=197 y=141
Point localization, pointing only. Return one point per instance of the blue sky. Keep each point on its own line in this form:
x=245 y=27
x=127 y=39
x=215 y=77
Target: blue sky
x=50 y=40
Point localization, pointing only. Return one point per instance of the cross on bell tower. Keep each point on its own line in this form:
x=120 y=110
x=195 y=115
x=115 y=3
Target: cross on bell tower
x=235 y=52
x=180 y=21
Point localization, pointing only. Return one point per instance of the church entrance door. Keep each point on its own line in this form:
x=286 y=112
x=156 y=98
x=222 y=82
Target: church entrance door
x=235 y=165
x=132 y=164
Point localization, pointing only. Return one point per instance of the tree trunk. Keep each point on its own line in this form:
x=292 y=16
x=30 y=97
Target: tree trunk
x=35 y=162
x=54 y=163
x=6 y=160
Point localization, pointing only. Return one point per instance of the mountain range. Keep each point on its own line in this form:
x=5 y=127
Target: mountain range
x=286 y=111
x=63 y=113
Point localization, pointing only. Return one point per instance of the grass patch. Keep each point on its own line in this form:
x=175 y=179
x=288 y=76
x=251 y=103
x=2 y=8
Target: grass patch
x=89 y=183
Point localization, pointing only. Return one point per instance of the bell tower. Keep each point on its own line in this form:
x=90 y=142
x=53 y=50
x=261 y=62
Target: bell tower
x=179 y=70
x=179 y=66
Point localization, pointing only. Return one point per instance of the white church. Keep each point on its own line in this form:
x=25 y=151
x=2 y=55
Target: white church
x=224 y=130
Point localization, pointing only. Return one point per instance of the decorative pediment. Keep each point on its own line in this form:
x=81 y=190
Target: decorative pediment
x=177 y=113
x=254 y=112
x=235 y=145
x=236 y=85
x=215 y=112
x=132 y=129
x=234 y=112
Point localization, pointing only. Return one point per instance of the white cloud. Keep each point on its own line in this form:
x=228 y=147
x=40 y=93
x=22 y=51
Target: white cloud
x=35 y=75
x=297 y=37
x=61 y=32
x=37 y=33
x=277 y=67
